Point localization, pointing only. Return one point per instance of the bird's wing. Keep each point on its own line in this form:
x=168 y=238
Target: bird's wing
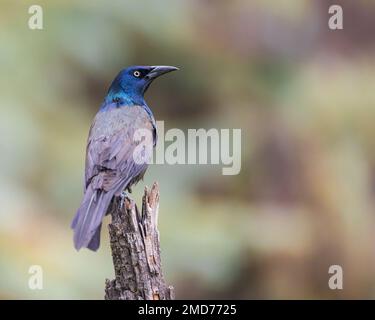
x=112 y=144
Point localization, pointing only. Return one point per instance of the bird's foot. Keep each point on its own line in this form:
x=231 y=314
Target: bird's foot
x=123 y=196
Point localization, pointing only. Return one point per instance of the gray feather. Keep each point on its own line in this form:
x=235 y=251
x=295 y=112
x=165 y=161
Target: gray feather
x=110 y=168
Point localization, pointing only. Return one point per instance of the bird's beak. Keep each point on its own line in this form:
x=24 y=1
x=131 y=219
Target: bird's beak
x=157 y=71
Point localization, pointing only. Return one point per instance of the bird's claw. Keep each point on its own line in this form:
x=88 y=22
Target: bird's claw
x=123 y=196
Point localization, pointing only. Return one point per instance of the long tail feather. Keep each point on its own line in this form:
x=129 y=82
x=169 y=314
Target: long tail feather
x=95 y=241
x=87 y=221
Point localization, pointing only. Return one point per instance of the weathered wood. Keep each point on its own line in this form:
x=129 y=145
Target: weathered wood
x=136 y=251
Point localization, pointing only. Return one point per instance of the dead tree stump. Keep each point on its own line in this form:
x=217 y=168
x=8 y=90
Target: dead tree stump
x=135 y=249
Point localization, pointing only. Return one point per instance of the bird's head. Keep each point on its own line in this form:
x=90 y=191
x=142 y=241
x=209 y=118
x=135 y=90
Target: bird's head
x=131 y=83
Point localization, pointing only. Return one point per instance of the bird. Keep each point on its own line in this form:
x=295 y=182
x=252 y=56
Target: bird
x=110 y=166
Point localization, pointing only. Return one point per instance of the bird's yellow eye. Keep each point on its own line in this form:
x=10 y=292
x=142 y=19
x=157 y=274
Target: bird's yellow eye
x=136 y=74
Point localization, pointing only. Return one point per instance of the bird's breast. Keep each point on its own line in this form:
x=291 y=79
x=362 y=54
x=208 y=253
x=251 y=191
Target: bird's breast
x=108 y=122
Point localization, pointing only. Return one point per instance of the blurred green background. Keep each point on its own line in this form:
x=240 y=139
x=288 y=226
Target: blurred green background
x=302 y=94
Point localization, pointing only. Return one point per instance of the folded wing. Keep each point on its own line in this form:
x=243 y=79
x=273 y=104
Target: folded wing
x=118 y=151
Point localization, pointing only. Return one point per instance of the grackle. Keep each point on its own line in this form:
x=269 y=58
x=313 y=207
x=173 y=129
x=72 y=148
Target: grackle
x=110 y=165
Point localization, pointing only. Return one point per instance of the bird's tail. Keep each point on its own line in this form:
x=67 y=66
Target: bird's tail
x=88 y=219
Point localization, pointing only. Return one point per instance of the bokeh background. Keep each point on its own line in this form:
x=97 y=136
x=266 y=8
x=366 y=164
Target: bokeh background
x=302 y=94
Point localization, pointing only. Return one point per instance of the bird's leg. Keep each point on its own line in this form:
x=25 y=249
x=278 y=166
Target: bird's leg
x=123 y=196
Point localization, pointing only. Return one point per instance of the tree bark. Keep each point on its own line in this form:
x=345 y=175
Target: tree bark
x=135 y=249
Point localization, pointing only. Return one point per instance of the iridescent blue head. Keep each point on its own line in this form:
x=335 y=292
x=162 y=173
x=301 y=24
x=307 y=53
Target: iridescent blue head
x=129 y=86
